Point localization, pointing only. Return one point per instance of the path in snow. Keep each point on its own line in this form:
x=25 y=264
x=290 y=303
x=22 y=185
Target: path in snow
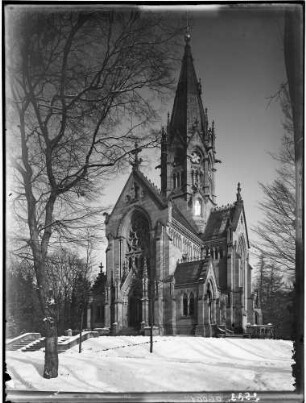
x=124 y=364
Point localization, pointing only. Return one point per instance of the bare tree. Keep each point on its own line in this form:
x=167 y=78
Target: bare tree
x=65 y=271
x=74 y=77
x=277 y=230
x=274 y=297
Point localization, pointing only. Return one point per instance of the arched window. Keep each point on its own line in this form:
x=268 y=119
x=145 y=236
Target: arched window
x=185 y=305
x=198 y=207
x=138 y=242
x=191 y=305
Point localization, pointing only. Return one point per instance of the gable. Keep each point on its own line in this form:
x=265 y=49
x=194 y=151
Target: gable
x=196 y=140
x=239 y=224
x=135 y=191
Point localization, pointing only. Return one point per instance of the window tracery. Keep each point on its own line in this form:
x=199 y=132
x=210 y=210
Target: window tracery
x=138 y=242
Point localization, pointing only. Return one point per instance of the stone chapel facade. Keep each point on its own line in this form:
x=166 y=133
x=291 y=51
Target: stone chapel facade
x=174 y=258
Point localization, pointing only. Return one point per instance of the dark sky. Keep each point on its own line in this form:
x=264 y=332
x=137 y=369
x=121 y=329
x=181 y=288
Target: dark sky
x=238 y=54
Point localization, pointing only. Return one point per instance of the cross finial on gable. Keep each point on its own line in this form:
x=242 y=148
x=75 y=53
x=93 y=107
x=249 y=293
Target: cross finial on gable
x=137 y=161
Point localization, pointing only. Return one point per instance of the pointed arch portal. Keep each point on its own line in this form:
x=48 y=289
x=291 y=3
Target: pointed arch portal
x=137 y=259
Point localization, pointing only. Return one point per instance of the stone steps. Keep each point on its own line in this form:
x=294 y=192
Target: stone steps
x=34 y=345
x=17 y=346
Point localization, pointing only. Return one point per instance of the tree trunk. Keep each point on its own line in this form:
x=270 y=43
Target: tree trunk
x=51 y=354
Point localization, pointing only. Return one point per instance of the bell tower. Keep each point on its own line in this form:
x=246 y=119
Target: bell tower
x=188 y=148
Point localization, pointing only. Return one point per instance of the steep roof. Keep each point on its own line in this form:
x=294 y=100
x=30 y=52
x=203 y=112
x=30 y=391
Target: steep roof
x=190 y=225
x=187 y=107
x=218 y=222
x=190 y=272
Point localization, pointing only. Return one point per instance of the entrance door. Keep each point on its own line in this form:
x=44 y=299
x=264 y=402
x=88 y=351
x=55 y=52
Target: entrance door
x=135 y=308
x=135 y=312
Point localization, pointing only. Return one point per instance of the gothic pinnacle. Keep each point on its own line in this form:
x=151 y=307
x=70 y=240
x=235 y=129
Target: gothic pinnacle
x=239 y=198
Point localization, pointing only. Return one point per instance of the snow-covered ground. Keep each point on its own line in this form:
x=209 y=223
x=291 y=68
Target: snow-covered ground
x=125 y=364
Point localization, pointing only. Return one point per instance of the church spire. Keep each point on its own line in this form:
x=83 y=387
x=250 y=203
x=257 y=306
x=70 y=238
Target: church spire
x=188 y=109
x=188 y=154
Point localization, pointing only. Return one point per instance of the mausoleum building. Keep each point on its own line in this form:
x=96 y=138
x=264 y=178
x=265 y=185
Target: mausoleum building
x=174 y=258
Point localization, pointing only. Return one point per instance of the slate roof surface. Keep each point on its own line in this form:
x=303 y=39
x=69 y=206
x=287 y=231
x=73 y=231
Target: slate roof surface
x=182 y=219
x=218 y=223
x=190 y=272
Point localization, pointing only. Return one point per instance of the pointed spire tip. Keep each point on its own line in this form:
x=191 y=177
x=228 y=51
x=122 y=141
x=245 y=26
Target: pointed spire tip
x=187 y=31
x=239 y=198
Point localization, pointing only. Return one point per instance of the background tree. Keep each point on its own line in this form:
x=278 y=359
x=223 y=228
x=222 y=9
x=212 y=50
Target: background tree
x=74 y=77
x=67 y=274
x=276 y=244
x=277 y=231
x=23 y=313
x=275 y=298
